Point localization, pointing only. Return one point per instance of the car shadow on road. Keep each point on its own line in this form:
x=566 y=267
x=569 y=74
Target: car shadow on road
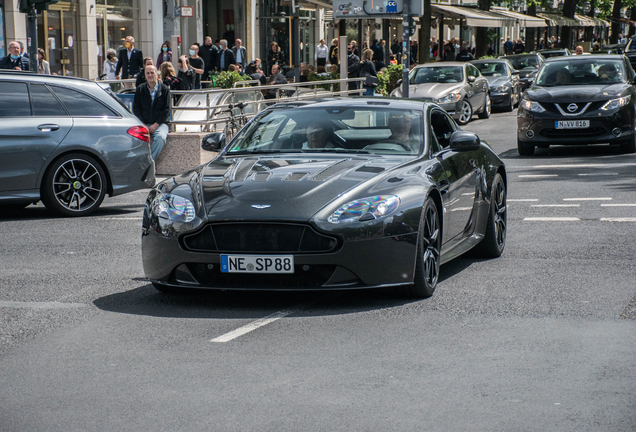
x=39 y=212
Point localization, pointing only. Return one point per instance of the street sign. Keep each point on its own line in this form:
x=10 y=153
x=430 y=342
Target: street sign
x=187 y=11
x=365 y=9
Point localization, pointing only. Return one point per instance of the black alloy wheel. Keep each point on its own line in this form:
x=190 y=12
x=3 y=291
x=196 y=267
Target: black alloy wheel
x=428 y=256
x=524 y=149
x=74 y=185
x=494 y=241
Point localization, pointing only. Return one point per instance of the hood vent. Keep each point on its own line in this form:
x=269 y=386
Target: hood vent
x=243 y=169
x=297 y=176
x=370 y=169
x=261 y=176
x=334 y=169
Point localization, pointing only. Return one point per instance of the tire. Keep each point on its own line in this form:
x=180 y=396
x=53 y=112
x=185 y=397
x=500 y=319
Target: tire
x=629 y=145
x=525 y=149
x=74 y=185
x=494 y=241
x=487 y=108
x=466 y=113
x=428 y=255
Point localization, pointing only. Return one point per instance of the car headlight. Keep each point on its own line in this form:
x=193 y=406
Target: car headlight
x=173 y=207
x=451 y=97
x=616 y=103
x=533 y=106
x=365 y=209
x=501 y=89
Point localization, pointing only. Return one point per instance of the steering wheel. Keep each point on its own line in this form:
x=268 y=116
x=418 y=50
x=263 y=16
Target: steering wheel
x=394 y=141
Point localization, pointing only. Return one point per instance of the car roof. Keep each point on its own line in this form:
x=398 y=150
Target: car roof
x=357 y=102
x=520 y=55
x=38 y=77
x=440 y=64
x=586 y=57
x=493 y=60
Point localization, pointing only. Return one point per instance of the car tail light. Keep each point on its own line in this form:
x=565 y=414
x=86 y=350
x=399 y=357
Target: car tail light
x=140 y=132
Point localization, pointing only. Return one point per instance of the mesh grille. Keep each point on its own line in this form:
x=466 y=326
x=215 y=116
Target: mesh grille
x=334 y=169
x=259 y=238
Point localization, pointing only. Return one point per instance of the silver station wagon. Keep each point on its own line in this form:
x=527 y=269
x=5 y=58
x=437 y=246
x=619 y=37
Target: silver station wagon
x=68 y=142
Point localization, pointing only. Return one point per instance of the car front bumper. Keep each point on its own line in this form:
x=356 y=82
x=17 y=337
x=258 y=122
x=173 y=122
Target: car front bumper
x=498 y=99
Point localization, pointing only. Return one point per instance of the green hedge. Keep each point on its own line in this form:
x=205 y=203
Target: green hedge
x=388 y=79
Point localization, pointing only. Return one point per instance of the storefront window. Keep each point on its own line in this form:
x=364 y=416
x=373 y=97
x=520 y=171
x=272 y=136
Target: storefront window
x=116 y=19
x=275 y=27
x=58 y=36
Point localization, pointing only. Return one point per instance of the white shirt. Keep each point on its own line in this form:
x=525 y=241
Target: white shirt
x=321 y=52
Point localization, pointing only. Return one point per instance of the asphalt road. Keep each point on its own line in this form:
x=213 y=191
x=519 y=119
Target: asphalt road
x=541 y=339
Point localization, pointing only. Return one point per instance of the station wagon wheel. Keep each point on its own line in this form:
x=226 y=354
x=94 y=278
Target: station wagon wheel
x=74 y=185
x=487 y=107
x=428 y=253
x=494 y=240
x=466 y=112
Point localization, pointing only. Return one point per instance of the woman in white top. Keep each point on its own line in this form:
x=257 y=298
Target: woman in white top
x=43 y=65
x=110 y=65
x=322 y=52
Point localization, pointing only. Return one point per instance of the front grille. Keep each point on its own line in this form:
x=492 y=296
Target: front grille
x=573 y=133
x=314 y=276
x=580 y=105
x=259 y=238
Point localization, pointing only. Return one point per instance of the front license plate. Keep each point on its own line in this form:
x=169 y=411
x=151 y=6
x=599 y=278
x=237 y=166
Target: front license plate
x=572 y=124
x=257 y=263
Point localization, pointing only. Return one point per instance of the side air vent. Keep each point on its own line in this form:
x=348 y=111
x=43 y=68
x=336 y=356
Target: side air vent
x=243 y=169
x=334 y=169
x=261 y=176
x=297 y=176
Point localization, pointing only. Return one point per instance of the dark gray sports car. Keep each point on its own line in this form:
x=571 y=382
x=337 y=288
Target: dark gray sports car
x=325 y=195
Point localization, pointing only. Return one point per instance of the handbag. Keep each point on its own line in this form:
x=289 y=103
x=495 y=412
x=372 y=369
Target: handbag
x=370 y=80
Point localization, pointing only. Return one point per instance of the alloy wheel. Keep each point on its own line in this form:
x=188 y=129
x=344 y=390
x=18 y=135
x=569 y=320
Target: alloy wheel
x=466 y=112
x=431 y=254
x=500 y=213
x=77 y=185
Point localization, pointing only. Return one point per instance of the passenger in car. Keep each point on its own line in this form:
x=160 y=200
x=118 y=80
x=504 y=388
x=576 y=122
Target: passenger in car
x=607 y=73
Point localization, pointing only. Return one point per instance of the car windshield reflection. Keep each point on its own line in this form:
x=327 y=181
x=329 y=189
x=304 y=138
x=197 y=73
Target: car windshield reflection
x=492 y=69
x=598 y=71
x=332 y=130
x=438 y=74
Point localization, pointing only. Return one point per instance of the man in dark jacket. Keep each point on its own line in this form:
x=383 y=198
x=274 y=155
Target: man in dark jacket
x=131 y=60
x=208 y=53
x=14 y=60
x=464 y=54
x=152 y=107
x=225 y=57
x=240 y=54
x=353 y=62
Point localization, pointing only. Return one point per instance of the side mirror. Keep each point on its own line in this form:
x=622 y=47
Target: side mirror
x=213 y=142
x=516 y=72
x=472 y=79
x=462 y=140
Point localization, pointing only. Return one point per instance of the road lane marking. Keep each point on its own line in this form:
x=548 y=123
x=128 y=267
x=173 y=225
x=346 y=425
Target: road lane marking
x=254 y=325
x=599 y=174
x=121 y=218
x=524 y=200
x=556 y=205
x=618 y=205
x=537 y=175
x=551 y=219
x=626 y=219
x=587 y=199
x=39 y=305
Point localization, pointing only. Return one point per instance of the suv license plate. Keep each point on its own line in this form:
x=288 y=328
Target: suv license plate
x=257 y=263
x=572 y=124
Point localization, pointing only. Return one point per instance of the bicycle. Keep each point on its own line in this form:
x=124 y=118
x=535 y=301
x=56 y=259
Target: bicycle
x=236 y=122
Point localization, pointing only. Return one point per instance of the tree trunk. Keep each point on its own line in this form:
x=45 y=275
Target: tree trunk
x=531 y=32
x=569 y=8
x=632 y=16
x=481 y=33
x=616 y=25
x=424 y=45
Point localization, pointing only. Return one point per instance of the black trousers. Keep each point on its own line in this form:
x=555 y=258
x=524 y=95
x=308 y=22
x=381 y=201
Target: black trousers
x=321 y=61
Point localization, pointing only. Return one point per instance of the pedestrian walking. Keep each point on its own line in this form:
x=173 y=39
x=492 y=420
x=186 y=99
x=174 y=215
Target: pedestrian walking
x=368 y=71
x=322 y=52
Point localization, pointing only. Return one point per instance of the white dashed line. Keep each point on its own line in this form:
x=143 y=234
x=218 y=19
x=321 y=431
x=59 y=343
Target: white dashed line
x=618 y=205
x=39 y=305
x=627 y=219
x=587 y=199
x=537 y=175
x=551 y=219
x=253 y=326
x=556 y=205
x=599 y=174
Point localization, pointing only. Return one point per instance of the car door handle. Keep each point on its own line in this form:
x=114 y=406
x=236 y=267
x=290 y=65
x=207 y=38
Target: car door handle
x=48 y=127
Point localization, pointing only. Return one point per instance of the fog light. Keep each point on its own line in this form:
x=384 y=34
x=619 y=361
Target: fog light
x=530 y=134
x=617 y=132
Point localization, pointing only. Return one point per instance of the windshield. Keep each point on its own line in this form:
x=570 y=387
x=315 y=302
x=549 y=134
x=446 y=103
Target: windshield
x=596 y=71
x=332 y=129
x=524 y=62
x=492 y=69
x=437 y=74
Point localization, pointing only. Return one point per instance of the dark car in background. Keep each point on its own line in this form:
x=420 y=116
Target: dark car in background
x=527 y=65
x=554 y=52
x=328 y=194
x=68 y=142
x=503 y=80
x=610 y=49
x=579 y=100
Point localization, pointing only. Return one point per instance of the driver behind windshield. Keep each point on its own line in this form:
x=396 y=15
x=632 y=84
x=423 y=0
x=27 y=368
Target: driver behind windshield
x=400 y=126
x=318 y=135
x=608 y=73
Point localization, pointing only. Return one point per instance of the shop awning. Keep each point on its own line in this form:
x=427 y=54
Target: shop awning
x=558 y=20
x=522 y=19
x=474 y=17
x=622 y=20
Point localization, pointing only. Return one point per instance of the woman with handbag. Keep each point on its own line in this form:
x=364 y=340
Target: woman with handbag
x=367 y=70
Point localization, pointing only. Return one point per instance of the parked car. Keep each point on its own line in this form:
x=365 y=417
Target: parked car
x=579 y=100
x=68 y=142
x=503 y=79
x=554 y=52
x=527 y=65
x=457 y=86
x=611 y=49
x=328 y=194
